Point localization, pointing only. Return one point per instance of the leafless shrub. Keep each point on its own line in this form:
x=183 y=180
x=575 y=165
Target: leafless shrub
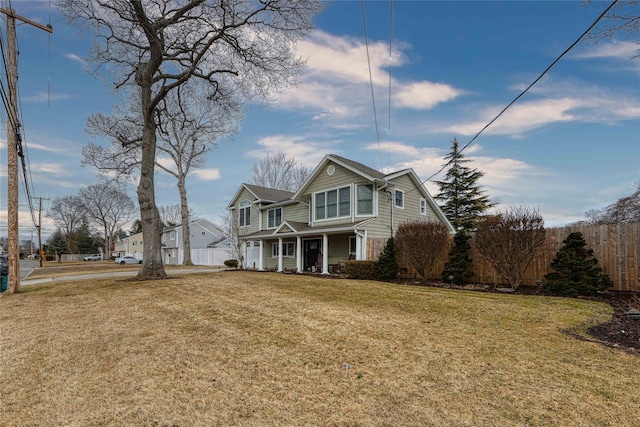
x=509 y=241
x=422 y=244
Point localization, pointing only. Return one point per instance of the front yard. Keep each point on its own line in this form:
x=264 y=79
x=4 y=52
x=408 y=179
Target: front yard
x=238 y=348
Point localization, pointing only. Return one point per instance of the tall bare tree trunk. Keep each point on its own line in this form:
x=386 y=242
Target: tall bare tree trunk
x=184 y=213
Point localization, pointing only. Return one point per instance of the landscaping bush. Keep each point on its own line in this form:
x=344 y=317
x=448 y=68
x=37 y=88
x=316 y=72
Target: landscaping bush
x=459 y=260
x=231 y=263
x=387 y=265
x=576 y=270
x=363 y=270
x=422 y=244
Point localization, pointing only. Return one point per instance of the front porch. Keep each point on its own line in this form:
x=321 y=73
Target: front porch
x=324 y=253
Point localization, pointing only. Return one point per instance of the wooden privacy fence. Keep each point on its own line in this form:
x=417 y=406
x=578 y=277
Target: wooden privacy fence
x=616 y=247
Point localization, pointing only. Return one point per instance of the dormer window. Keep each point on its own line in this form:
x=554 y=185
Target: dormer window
x=244 y=214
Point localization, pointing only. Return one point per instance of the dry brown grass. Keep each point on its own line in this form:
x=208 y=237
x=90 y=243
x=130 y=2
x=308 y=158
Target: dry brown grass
x=251 y=349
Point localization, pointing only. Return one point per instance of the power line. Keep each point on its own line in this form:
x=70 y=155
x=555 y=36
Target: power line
x=373 y=99
x=530 y=86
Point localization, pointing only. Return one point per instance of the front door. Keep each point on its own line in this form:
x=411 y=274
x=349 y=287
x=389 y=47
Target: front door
x=311 y=253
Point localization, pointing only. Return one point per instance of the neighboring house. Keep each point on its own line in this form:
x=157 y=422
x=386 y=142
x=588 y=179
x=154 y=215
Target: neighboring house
x=130 y=245
x=343 y=211
x=203 y=234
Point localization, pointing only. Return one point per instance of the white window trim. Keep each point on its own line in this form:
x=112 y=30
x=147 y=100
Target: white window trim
x=172 y=235
x=395 y=198
x=274 y=249
x=337 y=189
x=245 y=204
x=373 y=201
x=270 y=227
x=423 y=206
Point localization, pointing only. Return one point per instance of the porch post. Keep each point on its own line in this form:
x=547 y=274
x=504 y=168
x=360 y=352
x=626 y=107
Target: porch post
x=261 y=256
x=325 y=254
x=358 y=247
x=298 y=254
x=279 y=254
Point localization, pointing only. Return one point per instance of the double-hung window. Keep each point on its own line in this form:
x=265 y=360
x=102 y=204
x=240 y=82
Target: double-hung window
x=423 y=206
x=244 y=214
x=274 y=217
x=288 y=250
x=333 y=203
x=399 y=199
x=364 y=202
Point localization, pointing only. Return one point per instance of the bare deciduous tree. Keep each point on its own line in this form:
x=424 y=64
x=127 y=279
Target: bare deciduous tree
x=279 y=171
x=510 y=240
x=107 y=210
x=625 y=209
x=422 y=244
x=150 y=48
x=69 y=216
x=622 y=21
x=231 y=230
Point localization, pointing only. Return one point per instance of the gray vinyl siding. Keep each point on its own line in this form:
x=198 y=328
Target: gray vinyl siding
x=199 y=241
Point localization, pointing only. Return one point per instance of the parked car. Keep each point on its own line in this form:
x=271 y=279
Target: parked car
x=128 y=259
x=32 y=256
x=93 y=257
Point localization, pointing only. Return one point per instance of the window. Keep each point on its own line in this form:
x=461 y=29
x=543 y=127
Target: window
x=173 y=253
x=203 y=233
x=164 y=237
x=423 y=206
x=288 y=250
x=399 y=199
x=244 y=214
x=352 y=245
x=333 y=203
x=365 y=199
x=172 y=235
x=274 y=217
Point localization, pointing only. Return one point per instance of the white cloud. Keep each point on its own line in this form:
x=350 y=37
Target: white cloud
x=336 y=86
x=207 y=174
x=46 y=97
x=305 y=151
x=57 y=169
x=614 y=49
x=47 y=148
x=74 y=57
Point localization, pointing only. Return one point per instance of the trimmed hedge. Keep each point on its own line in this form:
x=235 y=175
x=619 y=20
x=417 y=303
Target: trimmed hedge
x=363 y=270
x=231 y=263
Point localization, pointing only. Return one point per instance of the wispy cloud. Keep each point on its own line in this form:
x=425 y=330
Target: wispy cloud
x=336 y=86
x=74 y=57
x=305 y=150
x=46 y=97
x=47 y=148
x=614 y=49
x=57 y=169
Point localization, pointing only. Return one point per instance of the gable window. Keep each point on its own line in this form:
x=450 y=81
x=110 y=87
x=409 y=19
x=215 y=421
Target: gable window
x=244 y=214
x=364 y=202
x=274 y=217
x=203 y=233
x=423 y=206
x=288 y=250
x=333 y=203
x=399 y=199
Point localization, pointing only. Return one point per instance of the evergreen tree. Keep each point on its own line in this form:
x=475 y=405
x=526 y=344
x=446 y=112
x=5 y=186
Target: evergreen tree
x=463 y=200
x=57 y=244
x=387 y=265
x=575 y=269
x=459 y=260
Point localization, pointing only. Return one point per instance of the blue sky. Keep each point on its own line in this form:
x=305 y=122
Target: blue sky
x=569 y=145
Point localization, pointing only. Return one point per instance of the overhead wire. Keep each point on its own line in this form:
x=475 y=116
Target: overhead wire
x=373 y=99
x=528 y=87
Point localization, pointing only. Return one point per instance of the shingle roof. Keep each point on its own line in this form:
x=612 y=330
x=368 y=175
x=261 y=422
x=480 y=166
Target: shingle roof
x=269 y=194
x=360 y=167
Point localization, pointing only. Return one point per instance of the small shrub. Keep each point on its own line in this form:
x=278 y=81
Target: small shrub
x=362 y=270
x=575 y=270
x=459 y=260
x=422 y=244
x=387 y=265
x=231 y=263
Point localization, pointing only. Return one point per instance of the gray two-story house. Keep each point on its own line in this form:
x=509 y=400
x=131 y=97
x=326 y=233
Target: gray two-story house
x=202 y=234
x=344 y=211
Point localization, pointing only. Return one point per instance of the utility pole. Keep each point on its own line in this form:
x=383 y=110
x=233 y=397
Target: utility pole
x=40 y=252
x=13 y=142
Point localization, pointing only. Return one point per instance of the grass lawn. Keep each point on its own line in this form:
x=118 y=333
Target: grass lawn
x=266 y=349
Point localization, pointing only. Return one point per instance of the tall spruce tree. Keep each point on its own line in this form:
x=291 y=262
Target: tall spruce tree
x=463 y=201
